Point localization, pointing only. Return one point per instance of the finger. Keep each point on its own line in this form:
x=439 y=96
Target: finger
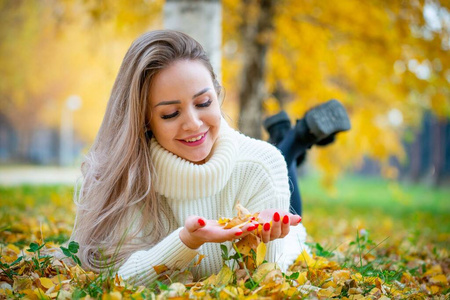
x=295 y=219
x=276 y=226
x=285 y=226
x=194 y=223
x=249 y=227
x=265 y=233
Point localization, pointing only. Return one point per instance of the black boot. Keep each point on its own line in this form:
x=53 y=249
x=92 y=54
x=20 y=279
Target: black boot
x=321 y=123
x=277 y=126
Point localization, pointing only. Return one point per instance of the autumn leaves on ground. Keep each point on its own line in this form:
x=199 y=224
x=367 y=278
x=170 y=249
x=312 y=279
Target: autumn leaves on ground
x=372 y=239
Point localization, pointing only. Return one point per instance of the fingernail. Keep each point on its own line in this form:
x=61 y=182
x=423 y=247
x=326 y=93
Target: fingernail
x=253 y=218
x=251 y=228
x=276 y=217
x=238 y=233
x=201 y=222
x=299 y=220
x=285 y=219
x=267 y=226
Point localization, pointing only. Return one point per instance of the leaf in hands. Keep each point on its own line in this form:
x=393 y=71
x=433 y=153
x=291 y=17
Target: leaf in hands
x=248 y=243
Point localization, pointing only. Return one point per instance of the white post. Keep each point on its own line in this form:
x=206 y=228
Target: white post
x=201 y=19
x=72 y=104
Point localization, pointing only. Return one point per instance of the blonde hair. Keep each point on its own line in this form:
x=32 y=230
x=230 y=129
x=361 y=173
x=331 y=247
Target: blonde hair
x=118 y=173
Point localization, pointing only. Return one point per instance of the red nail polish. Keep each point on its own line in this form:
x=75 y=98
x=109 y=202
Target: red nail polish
x=299 y=220
x=251 y=228
x=285 y=219
x=201 y=222
x=253 y=218
x=238 y=233
x=276 y=217
x=267 y=226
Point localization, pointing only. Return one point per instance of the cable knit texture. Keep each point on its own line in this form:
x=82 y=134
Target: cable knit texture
x=240 y=169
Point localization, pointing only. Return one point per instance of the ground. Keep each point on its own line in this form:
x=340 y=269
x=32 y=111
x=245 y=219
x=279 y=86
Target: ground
x=370 y=238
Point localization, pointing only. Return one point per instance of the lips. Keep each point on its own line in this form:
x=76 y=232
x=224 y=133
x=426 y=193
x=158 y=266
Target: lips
x=194 y=140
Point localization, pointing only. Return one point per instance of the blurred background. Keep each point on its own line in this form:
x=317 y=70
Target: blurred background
x=388 y=62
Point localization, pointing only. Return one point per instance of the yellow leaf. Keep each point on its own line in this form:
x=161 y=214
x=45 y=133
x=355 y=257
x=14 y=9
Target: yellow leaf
x=40 y=294
x=112 y=296
x=439 y=279
x=435 y=289
x=260 y=253
x=434 y=270
x=29 y=294
x=304 y=257
x=118 y=281
x=302 y=278
x=246 y=244
x=223 y=221
x=263 y=270
x=310 y=262
x=200 y=258
x=340 y=276
x=224 y=277
x=242 y=211
x=326 y=293
x=46 y=283
x=22 y=283
x=160 y=269
x=13 y=248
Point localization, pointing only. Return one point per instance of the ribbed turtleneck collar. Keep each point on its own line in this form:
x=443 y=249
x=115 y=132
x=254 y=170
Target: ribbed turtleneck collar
x=180 y=179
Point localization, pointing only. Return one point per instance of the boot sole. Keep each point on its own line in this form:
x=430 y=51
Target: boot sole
x=326 y=119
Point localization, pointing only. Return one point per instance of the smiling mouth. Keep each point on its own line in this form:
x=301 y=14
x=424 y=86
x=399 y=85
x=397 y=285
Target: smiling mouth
x=194 y=141
x=195 y=138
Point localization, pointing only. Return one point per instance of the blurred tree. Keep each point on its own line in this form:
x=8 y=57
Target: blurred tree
x=52 y=49
x=386 y=61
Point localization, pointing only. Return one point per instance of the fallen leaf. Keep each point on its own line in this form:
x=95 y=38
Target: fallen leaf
x=260 y=253
x=439 y=279
x=46 y=282
x=200 y=258
x=160 y=269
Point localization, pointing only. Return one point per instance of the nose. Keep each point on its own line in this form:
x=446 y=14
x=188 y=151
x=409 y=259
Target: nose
x=192 y=121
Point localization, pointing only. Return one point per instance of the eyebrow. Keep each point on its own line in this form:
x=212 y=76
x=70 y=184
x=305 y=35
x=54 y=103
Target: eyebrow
x=169 y=102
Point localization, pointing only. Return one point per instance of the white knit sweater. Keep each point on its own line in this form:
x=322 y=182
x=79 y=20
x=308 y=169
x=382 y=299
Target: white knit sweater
x=241 y=169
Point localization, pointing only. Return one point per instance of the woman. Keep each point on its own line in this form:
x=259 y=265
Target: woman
x=165 y=166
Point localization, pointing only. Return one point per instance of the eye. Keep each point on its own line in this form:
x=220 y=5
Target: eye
x=205 y=104
x=165 y=117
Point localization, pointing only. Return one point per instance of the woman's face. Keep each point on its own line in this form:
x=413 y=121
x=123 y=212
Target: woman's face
x=184 y=110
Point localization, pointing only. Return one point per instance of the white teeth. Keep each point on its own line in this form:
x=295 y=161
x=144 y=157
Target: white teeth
x=195 y=139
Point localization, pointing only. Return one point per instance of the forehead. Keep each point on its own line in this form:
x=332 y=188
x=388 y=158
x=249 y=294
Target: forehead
x=180 y=80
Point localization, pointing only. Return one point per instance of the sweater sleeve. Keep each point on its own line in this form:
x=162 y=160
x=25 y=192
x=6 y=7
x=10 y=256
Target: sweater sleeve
x=170 y=252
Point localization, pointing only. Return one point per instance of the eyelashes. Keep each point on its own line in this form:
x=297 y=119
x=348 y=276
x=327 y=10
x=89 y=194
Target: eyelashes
x=173 y=115
x=205 y=104
x=165 y=117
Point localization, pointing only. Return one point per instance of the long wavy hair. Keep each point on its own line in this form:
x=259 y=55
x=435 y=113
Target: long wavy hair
x=118 y=175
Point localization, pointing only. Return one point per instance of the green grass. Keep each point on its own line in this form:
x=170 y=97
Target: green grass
x=370 y=192
x=387 y=209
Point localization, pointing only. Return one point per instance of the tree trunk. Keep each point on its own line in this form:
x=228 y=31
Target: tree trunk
x=256 y=35
x=200 y=19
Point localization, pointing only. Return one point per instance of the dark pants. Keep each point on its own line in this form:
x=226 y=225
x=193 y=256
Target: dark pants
x=291 y=150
